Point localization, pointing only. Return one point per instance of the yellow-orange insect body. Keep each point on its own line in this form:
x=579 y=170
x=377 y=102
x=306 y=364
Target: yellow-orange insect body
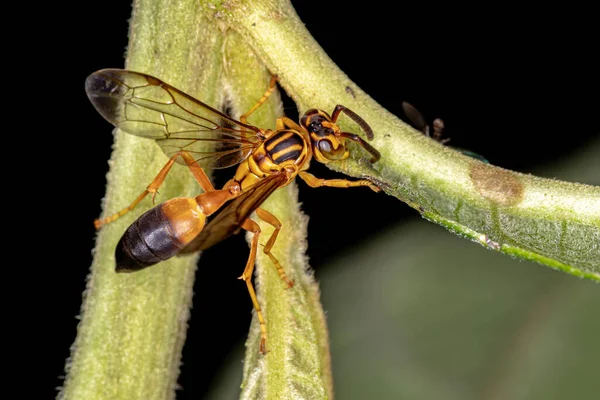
x=145 y=106
x=281 y=149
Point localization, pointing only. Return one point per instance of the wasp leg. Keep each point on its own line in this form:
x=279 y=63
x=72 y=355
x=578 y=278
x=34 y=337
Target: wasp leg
x=196 y=170
x=260 y=102
x=285 y=122
x=282 y=122
x=273 y=221
x=252 y=226
x=372 y=150
x=315 y=182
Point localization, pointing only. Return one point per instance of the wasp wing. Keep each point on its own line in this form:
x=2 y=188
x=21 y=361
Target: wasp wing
x=145 y=106
x=229 y=219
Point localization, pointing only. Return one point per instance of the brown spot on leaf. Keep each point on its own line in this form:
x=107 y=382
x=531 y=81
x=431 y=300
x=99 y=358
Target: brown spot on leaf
x=498 y=185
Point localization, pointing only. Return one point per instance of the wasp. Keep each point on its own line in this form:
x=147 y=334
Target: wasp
x=182 y=126
x=418 y=121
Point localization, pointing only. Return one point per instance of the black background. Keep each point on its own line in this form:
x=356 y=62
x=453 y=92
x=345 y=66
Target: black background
x=519 y=87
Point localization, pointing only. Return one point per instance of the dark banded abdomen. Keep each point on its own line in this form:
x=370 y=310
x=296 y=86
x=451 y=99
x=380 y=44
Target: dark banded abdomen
x=286 y=145
x=159 y=234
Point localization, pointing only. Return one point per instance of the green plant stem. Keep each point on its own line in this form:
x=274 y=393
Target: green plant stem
x=551 y=222
x=133 y=326
x=297 y=364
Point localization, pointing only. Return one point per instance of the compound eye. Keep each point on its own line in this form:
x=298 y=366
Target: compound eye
x=329 y=152
x=325 y=146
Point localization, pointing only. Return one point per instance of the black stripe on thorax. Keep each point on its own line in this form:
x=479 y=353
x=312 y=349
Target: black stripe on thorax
x=284 y=146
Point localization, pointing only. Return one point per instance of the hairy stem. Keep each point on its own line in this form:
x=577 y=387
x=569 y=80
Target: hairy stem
x=133 y=326
x=297 y=364
x=551 y=222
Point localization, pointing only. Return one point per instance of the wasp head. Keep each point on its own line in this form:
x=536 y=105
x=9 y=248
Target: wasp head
x=327 y=144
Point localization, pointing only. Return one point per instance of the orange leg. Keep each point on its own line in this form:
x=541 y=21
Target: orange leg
x=260 y=102
x=196 y=170
x=285 y=122
x=274 y=222
x=315 y=182
x=253 y=227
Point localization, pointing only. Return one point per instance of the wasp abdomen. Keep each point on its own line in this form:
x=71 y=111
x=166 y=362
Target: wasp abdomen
x=159 y=234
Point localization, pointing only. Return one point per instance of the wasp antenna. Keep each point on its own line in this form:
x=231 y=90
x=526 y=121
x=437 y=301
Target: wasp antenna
x=355 y=117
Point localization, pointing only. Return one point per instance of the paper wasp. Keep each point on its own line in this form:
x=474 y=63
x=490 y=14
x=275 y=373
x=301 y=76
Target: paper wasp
x=418 y=121
x=268 y=159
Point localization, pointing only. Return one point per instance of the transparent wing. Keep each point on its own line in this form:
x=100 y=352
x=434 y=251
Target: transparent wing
x=230 y=218
x=145 y=106
x=417 y=119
